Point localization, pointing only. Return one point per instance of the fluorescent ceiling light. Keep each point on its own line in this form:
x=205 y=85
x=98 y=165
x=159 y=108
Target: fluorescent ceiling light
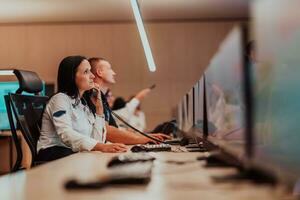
x=6 y=72
x=141 y=28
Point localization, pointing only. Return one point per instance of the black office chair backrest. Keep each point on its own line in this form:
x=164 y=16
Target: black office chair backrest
x=27 y=111
x=29 y=82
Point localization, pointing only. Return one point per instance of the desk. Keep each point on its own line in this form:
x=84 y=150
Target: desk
x=169 y=181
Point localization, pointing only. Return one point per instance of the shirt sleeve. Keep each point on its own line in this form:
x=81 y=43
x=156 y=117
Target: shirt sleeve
x=142 y=120
x=99 y=129
x=60 y=113
x=132 y=105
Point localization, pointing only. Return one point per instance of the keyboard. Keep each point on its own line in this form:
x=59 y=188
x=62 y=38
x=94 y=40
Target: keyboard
x=151 y=148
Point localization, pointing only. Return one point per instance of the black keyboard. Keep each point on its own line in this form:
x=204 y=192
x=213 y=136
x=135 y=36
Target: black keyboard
x=151 y=147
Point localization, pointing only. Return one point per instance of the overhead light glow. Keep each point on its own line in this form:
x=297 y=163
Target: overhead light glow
x=141 y=28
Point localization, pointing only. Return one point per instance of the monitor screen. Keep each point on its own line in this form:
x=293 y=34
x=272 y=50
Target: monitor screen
x=185 y=113
x=185 y=124
x=190 y=109
x=179 y=115
x=225 y=95
x=5 y=88
x=276 y=87
x=199 y=106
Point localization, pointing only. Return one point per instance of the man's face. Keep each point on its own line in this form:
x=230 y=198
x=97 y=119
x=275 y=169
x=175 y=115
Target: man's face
x=106 y=72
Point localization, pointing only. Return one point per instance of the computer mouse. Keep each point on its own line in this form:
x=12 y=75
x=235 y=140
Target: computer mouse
x=138 y=148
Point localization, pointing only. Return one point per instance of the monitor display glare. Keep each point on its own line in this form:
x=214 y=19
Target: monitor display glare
x=225 y=93
x=5 y=88
x=276 y=87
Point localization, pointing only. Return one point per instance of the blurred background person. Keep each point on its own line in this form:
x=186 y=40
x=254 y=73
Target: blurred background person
x=131 y=111
x=110 y=98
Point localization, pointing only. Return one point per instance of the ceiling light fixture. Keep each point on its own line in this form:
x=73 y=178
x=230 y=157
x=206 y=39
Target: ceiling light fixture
x=141 y=28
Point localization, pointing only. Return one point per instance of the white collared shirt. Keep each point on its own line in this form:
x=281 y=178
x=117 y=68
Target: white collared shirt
x=67 y=122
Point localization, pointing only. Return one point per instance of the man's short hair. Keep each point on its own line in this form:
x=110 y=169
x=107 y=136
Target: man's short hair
x=94 y=61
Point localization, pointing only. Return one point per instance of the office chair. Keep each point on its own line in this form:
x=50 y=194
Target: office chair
x=27 y=111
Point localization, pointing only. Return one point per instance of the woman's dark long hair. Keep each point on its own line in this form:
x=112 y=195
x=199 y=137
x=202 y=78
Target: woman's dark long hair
x=66 y=80
x=66 y=75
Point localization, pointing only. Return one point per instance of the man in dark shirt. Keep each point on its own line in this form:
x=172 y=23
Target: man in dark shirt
x=104 y=77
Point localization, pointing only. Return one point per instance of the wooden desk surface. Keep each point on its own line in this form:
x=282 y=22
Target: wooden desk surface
x=169 y=181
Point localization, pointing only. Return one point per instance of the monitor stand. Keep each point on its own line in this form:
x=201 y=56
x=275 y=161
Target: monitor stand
x=254 y=175
x=222 y=159
x=218 y=158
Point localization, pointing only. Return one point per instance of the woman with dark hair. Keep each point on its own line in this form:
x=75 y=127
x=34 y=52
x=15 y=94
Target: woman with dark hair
x=73 y=119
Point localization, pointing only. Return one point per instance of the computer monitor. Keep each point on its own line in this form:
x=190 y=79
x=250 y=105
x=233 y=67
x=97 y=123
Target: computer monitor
x=184 y=107
x=190 y=109
x=198 y=109
x=5 y=88
x=179 y=115
x=276 y=88
x=196 y=103
x=224 y=87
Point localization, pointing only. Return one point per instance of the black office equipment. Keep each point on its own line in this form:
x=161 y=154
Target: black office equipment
x=225 y=92
x=130 y=158
x=134 y=173
x=190 y=116
x=151 y=148
x=168 y=128
x=27 y=111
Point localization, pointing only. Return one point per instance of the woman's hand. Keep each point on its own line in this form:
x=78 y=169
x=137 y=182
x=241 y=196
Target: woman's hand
x=97 y=100
x=110 y=148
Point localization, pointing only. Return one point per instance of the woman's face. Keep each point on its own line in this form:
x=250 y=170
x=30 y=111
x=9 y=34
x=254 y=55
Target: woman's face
x=84 y=77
